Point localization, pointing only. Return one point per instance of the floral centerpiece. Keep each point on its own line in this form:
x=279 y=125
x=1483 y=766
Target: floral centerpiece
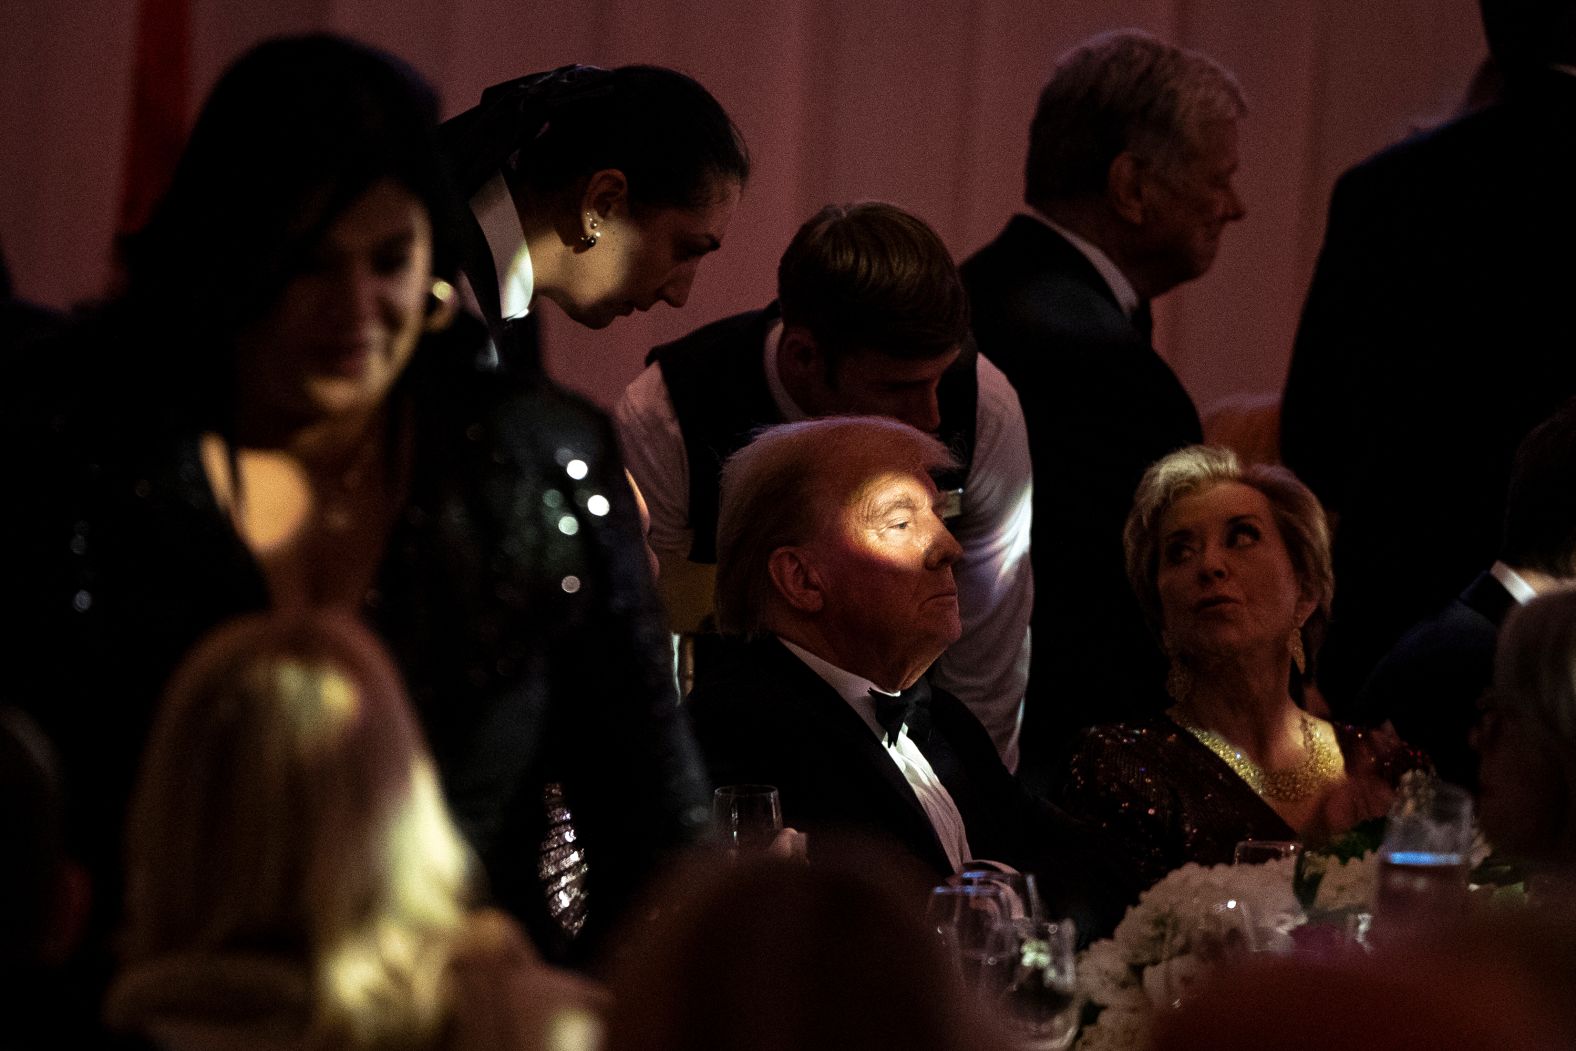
x=1198 y=915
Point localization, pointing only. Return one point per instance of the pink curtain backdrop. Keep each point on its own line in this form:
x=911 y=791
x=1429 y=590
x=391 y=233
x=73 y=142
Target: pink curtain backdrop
x=925 y=103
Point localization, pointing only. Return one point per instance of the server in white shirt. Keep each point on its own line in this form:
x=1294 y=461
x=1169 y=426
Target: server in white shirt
x=871 y=318
x=835 y=564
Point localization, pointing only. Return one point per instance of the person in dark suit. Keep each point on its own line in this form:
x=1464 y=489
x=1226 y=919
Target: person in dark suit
x=871 y=318
x=1436 y=334
x=1131 y=156
x=834 y=561
x=639 y=160
x=1429 y=685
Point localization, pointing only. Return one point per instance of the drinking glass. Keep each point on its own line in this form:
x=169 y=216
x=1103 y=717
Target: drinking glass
x=1037 y=988
x=1206 y=931
x=1022 y=893
x=748 y=817
x=969 y=917
x=1259 y=851
x=1423 y=860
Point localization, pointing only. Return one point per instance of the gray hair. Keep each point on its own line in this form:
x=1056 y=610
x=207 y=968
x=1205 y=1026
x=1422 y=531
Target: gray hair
x=1535 y=664
x=1122 y=92
x=784 y=487
x=1298 y=516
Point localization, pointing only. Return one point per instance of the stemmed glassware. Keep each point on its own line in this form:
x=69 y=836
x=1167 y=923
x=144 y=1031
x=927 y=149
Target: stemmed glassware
x=748 y=817
x=967 y=917
x=1036 y=985
x=1022 y=893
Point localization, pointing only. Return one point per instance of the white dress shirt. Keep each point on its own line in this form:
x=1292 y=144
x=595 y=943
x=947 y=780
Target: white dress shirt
x=988 y=667
x=1514 y=583
x=916 y=769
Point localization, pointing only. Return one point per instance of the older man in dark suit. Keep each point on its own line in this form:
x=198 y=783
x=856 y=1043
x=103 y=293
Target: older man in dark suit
x=1131 y=156
x=833 y=558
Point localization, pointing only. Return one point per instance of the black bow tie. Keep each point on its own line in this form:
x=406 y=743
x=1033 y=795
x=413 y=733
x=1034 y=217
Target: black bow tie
x=893 y=711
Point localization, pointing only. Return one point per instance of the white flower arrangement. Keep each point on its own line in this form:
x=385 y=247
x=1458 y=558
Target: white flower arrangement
x=1178 y=929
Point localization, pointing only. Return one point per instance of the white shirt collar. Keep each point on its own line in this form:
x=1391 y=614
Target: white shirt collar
x=855 y=689
x=495 y=212
x=1121 y=287
x=1519 y=589
x=787 y=408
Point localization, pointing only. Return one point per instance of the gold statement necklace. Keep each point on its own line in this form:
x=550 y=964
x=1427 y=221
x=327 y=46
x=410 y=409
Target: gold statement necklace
x=1320 y=766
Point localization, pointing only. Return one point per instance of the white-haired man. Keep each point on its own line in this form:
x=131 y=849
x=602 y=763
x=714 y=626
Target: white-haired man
x=833 y=559
x=1129 y=189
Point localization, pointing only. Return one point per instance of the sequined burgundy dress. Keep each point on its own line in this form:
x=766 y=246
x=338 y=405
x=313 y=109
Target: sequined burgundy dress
x=1158 y=790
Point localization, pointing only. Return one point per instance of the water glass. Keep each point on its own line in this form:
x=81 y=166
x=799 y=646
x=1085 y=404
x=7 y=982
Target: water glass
x=1022 y=893
x=748 y=817
x=1423 y=860
x=969 y=917
x=1038 y=987
x=1260 y=851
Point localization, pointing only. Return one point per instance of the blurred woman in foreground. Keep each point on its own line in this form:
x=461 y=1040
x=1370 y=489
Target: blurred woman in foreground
x=294 y=877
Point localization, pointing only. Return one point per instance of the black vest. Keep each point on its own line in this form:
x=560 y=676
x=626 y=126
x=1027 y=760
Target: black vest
x=716 y=379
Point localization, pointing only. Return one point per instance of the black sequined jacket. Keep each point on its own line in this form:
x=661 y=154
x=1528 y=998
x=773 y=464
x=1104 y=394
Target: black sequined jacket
x=524 y=621
x=1169 y=800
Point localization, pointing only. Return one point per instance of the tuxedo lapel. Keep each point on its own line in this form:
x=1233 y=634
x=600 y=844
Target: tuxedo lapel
x=843 y=743
x=1489 y=597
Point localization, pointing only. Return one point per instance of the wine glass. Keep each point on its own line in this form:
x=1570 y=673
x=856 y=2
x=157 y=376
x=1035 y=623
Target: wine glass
x=969 y=916
x=748 y=817
x=1038 y=987
x=1260 y=851
x=1204 y=932
x=1022 y=893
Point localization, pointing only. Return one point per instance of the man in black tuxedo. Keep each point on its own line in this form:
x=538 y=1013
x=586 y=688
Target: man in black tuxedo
x=1437 y=332
x=1428 y=686
x=833 y=559
x=1131 y=156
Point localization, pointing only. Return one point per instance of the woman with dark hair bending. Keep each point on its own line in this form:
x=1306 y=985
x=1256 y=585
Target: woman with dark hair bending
x=274 y=415
x=598 y=189
x=1231 y=565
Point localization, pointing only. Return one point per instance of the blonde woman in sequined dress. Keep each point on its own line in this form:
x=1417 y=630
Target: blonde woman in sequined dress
x=1232 y=567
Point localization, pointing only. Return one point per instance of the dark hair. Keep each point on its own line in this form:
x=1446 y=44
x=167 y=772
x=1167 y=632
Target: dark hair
x=771 y=955
x=666 y=133
x=870 y=276
x=1540 y=507
x=295 y=131
x=1526 y=35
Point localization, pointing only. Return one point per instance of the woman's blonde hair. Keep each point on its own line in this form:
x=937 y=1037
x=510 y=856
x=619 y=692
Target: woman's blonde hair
x=287 y=809
x=1298 y=515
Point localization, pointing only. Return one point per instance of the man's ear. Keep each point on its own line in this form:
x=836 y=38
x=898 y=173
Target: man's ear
x=1126 y=183
x=796 y=578
x=799 y=355
x=606 y=194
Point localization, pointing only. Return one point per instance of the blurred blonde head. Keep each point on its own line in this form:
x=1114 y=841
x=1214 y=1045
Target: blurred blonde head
x=287 y=809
